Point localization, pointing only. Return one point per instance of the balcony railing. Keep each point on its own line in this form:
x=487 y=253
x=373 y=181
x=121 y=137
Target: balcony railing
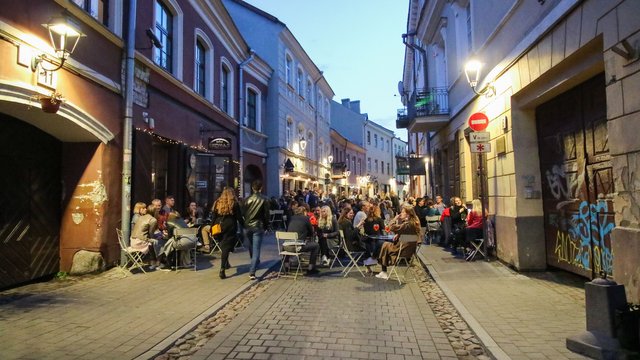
x=424 y=102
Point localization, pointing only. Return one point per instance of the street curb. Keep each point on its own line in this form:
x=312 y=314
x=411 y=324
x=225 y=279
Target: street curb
x=169 y=340
x=492 y=347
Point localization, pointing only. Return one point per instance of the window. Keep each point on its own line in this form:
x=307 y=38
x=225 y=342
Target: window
x=252 y=113
x=164 y=31
x=289 y=133
x=353 y=164
x=288 y=64
x=99 y=9
x=369 y=164
x=375 y=140
x=299 y=80
x=376 y=161
x=382 y=166
x=309 y=91
x=389 y=169
x=388 y=147
x=368 y=137
x=225 y=88
x=200 y=66
x=360 y=166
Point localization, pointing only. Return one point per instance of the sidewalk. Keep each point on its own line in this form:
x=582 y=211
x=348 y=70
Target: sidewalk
x=113 y=317
x=518 y=316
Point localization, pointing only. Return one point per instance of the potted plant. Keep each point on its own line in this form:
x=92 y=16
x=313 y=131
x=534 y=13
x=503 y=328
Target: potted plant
x=50 y=103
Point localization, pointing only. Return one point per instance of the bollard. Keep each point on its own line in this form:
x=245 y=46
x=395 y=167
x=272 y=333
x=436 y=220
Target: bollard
x=602 y=298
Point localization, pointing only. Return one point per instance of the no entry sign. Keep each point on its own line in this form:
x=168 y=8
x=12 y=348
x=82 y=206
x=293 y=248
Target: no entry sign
x=478 y=121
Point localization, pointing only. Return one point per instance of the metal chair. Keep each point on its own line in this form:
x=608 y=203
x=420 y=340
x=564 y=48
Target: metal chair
x=289 y=240
x=477 y=248
x=407 y=260
x=354 y=257
x=132 y=256
x=335 y=251
x=276 y=217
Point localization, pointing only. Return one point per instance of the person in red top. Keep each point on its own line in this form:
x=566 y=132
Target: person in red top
x=474 y=222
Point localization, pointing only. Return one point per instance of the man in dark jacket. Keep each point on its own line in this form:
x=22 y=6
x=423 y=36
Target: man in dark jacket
x=256 y=219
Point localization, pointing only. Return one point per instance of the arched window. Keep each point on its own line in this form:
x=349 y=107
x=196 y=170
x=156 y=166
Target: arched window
x=253 y=108
x=288 y=68
x=299 y=82
x=309 y=92
x=289 y=133
x=202 y=69
x=226 y=87
x=168 y=20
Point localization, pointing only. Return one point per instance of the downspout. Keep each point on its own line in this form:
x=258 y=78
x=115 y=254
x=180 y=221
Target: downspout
x=127 y=128
x=423 y=52
x=316 y=121
x=242 y=122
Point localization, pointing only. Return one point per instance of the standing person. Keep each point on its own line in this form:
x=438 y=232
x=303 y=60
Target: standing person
x=226 y=212
x=445 y=221
x=439 y=205
x=256 y=218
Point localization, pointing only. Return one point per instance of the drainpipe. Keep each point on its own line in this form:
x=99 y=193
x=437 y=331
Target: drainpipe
x=243 y=116
x=127 y=127
x=412 y=45
x=319 y=162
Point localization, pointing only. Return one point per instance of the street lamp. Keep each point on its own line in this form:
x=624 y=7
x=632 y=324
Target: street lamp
x=303 y=143
x=64 y=35
x=330 y=159
x=347 y=173
x=472 y=72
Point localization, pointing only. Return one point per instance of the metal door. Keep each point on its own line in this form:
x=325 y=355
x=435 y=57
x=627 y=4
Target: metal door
x=577 y=179
x=30 y=194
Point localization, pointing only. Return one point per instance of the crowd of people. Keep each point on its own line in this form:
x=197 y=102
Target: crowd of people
x=316 y=217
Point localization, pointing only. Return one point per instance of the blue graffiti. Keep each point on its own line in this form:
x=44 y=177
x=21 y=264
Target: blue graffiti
x=589 y=228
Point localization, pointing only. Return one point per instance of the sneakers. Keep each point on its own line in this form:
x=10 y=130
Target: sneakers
x=383 y=275
x=252 y=277
x=325 y=260
x=370 y=262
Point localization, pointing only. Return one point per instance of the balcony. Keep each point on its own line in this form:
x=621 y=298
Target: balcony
x=427 y=110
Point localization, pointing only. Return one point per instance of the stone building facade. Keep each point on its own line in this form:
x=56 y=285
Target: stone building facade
x=558 y=84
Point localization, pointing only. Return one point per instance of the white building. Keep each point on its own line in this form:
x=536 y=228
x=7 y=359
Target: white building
x=379 y=157
x=298 y=106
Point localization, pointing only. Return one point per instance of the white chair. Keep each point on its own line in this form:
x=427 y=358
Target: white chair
x=335 y=251
x=276 y=217
x=477 y=248
x=186 y=258
x=354 y=257
x=289 y=240
x=405 y=240
x=133 y=257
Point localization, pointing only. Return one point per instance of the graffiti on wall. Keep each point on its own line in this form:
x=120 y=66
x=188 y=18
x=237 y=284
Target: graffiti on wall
x=588 y=230
x=563 y=187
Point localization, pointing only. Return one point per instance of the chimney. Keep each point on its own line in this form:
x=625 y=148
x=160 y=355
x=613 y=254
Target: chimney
x=345 y=102
x=355 y=106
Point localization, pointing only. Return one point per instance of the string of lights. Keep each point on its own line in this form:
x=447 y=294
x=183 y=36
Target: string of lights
x=171 y=141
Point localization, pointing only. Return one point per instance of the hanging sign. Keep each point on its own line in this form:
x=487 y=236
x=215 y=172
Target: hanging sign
x=219 y=143
x=478 y=121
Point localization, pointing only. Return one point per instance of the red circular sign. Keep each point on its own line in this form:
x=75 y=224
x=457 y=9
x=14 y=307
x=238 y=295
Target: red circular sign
x=478 y=121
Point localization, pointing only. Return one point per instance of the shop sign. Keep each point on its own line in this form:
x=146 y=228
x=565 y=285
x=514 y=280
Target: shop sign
x=201 y=184
x=402 y=166
x=219 y=143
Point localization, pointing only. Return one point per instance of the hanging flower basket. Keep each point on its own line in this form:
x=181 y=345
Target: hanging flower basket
x=50 y=103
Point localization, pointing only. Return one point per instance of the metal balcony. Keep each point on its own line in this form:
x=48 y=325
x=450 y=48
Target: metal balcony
x=427 y=110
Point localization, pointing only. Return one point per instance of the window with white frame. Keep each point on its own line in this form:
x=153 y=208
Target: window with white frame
x=164 y=32
x=289 y=133
x=299 y=82
x=98 y=9
x=376 y=167
x=369 y=164
x=200 y=69
x=389 y=169
x=375 y=141
x=309 y=91
x=359 y=166
x=288 y=69
x=311 y=148
x=382 y=166
x=368 y=137
x=253 y=106
x=227 y=87
x=388 y=147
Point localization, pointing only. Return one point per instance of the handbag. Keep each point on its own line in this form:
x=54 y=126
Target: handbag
x=216 y=229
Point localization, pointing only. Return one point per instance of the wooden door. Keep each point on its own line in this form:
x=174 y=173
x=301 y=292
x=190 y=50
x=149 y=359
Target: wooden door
x=577 y=179
x=30 y=194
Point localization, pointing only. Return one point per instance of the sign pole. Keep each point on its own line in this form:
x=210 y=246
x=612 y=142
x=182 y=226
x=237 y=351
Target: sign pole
x=482 y=200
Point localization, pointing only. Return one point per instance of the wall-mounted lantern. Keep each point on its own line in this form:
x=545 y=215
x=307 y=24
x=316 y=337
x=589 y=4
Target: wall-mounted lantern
x=64 y=35
x=330 y=159
x=303 y=143
x=472 y=72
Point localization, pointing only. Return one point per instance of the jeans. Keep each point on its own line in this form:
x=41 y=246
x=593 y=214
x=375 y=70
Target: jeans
x=253 y=241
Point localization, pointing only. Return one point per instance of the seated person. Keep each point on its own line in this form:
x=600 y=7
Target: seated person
x=143 y=231
x=301 y=225
x=373 y=226
x=352 y=237
x=473 y=230
x=327 y=234
x=406 y=222
x=175 y=243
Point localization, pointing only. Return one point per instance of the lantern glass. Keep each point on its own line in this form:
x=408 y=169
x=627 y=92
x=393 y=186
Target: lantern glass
x=64 y=35
x=303 y=143
x=472 y=71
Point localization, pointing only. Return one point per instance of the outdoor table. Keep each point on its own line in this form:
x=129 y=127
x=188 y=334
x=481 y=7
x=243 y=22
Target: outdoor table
x=387 y=237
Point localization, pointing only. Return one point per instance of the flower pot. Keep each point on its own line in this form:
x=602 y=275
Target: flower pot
x=49 y=105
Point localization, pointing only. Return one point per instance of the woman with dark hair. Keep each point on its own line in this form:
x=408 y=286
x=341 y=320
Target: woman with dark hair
x=406 y=222
x=226 y=212
x=458 y=215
